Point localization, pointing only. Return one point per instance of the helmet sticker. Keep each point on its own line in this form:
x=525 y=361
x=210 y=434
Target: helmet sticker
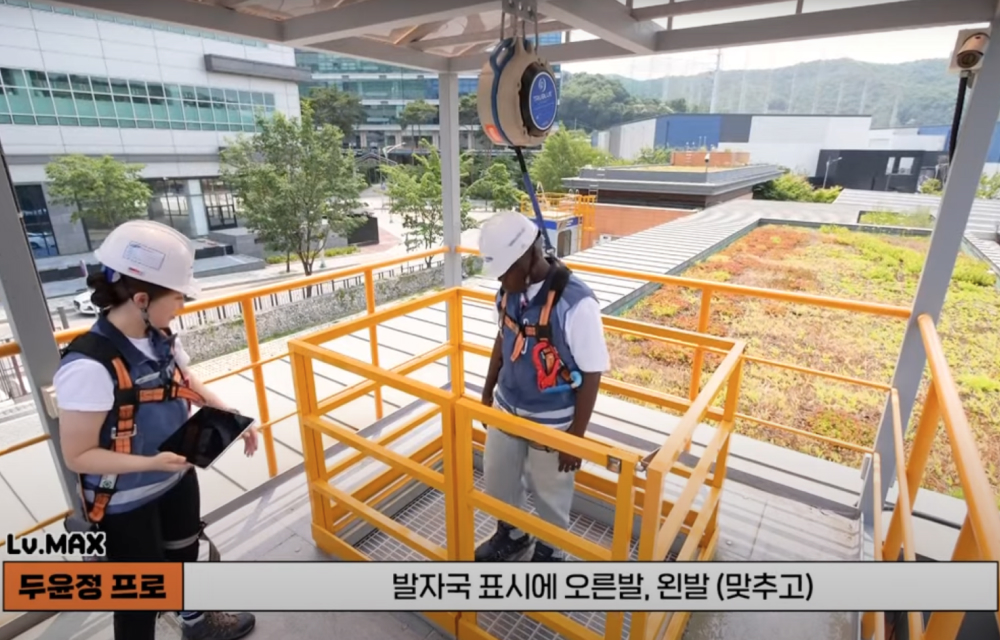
x=144 y=256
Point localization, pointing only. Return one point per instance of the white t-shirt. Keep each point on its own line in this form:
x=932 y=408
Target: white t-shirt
x=85 y=385
x=583 y=330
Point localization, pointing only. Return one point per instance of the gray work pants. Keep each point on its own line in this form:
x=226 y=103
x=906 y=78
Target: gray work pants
x=511 y=465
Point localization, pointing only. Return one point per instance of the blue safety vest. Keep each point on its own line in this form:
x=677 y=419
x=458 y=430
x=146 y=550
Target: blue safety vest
x=530 y=386
x=151 y=403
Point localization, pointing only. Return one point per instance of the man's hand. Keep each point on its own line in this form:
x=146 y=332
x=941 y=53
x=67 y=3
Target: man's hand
x=488 y=402
x=568 y=462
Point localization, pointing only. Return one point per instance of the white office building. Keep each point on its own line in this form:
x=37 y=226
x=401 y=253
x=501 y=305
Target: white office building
x=74 y=81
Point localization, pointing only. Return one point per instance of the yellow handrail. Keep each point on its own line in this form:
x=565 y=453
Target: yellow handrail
x=631 y=495
x=245 y=299
x=979 y=537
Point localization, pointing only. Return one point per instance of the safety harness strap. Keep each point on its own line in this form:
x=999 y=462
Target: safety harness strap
x=127 y=399
x=549 y=366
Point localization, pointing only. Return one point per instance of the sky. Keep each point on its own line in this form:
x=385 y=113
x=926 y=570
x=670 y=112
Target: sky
x=891 y=47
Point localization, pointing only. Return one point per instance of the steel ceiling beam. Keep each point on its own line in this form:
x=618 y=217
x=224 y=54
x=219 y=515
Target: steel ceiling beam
x=555 y=54
x=908 y=14
x=364 y=17
x=184 y=13
x=692 y=7
x=606 y=19
x=482 y=36
x=383 y=52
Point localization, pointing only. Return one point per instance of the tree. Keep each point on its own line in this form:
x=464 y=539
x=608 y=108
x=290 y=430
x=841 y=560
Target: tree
x=794 y=187
x=417 y=113
x=339 y=108
x=989 y=187
x=496 y=185
x=649 y=155
x=296 y=183
x=563 y=154
x=931 y=186
x=416 y=197
x=103 y=190
x=596 y=102
x=468 y=109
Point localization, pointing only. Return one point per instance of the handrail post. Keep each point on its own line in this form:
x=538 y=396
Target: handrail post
x=704 y=317
x=253 y=346
x=373 y=336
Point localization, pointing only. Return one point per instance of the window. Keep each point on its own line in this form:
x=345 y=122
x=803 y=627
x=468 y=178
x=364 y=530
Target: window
x=31 y=97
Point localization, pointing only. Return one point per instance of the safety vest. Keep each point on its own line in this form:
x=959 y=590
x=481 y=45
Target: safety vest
x=152 y=401
x=539 y=375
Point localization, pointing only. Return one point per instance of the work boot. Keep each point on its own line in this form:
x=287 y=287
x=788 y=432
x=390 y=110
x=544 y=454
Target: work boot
x=502 y=547
x=215 y=625
x=544 y=553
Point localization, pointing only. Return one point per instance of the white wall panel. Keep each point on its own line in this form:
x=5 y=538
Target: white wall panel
x=18 y=37
x=635 y=136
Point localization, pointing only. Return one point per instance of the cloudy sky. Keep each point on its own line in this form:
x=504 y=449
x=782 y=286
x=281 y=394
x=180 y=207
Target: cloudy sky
x=891 y=47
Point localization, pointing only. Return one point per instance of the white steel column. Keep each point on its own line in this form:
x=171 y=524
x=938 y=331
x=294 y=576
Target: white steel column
x=450 y=186
x=30 y=322
x=450 y=191
x=974 y=137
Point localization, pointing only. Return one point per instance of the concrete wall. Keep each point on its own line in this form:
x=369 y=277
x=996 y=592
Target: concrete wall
x=624 y=220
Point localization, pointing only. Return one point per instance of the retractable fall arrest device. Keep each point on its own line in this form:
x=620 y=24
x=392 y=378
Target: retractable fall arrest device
x=517 y=99
x=517 y=94
x=127 y=398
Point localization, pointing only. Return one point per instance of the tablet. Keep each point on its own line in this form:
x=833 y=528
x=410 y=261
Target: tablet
x=207 y=435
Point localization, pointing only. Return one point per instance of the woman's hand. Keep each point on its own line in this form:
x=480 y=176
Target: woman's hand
x=169 y=462
x=249 y=436
x=250 y=441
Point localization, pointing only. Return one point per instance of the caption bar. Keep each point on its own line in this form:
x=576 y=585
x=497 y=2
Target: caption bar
x=467 y=586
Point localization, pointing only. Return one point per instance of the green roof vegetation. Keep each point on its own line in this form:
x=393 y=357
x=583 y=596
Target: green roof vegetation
x=836 y=262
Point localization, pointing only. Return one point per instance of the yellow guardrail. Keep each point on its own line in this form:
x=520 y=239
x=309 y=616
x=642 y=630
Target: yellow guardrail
x=246 y=301
x=979 y=537
x=611 y=475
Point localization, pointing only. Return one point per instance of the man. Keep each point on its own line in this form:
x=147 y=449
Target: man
x=546 y=367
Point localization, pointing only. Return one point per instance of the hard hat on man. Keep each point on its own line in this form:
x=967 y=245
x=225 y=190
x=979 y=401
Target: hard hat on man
x=503 y=239
x=151 y=252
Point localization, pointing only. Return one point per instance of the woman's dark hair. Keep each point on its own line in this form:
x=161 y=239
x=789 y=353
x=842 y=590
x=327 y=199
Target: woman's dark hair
x=108 y=294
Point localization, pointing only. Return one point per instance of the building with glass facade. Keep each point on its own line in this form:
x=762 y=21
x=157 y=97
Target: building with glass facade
x=168 y=98
x=385 y=90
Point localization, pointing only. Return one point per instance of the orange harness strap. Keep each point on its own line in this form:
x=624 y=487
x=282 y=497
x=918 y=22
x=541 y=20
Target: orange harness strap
x=127 y=399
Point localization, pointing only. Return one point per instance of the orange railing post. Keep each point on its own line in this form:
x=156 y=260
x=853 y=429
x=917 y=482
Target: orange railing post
x=373 y=336
x=253 y=347
x=704 y=317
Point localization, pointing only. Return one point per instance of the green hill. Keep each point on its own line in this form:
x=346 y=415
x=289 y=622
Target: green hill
x=907 y=94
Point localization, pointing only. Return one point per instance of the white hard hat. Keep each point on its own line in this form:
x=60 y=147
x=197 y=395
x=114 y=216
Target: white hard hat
x=503 y=239
x=151 y=252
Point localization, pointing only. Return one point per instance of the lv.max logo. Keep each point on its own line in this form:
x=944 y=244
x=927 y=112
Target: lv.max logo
x=85 y=543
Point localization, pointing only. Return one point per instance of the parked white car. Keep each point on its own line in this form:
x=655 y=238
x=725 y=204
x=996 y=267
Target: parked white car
x=83 y=305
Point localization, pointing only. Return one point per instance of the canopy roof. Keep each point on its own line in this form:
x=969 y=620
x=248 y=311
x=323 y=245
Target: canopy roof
x=456 y=35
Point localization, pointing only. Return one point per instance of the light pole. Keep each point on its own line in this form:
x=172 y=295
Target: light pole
x=325 y=226
x=829 y=161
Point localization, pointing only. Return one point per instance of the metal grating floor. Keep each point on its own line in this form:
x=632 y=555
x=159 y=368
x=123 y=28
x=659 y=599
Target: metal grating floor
x=425 y=516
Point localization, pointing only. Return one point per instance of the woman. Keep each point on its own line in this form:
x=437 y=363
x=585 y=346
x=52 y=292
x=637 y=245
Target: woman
x=146 y=501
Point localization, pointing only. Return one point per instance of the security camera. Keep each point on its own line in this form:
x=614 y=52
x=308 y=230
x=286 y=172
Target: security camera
x=970 y=48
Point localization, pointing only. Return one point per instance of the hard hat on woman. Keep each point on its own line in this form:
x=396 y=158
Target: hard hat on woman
x=151 y=252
